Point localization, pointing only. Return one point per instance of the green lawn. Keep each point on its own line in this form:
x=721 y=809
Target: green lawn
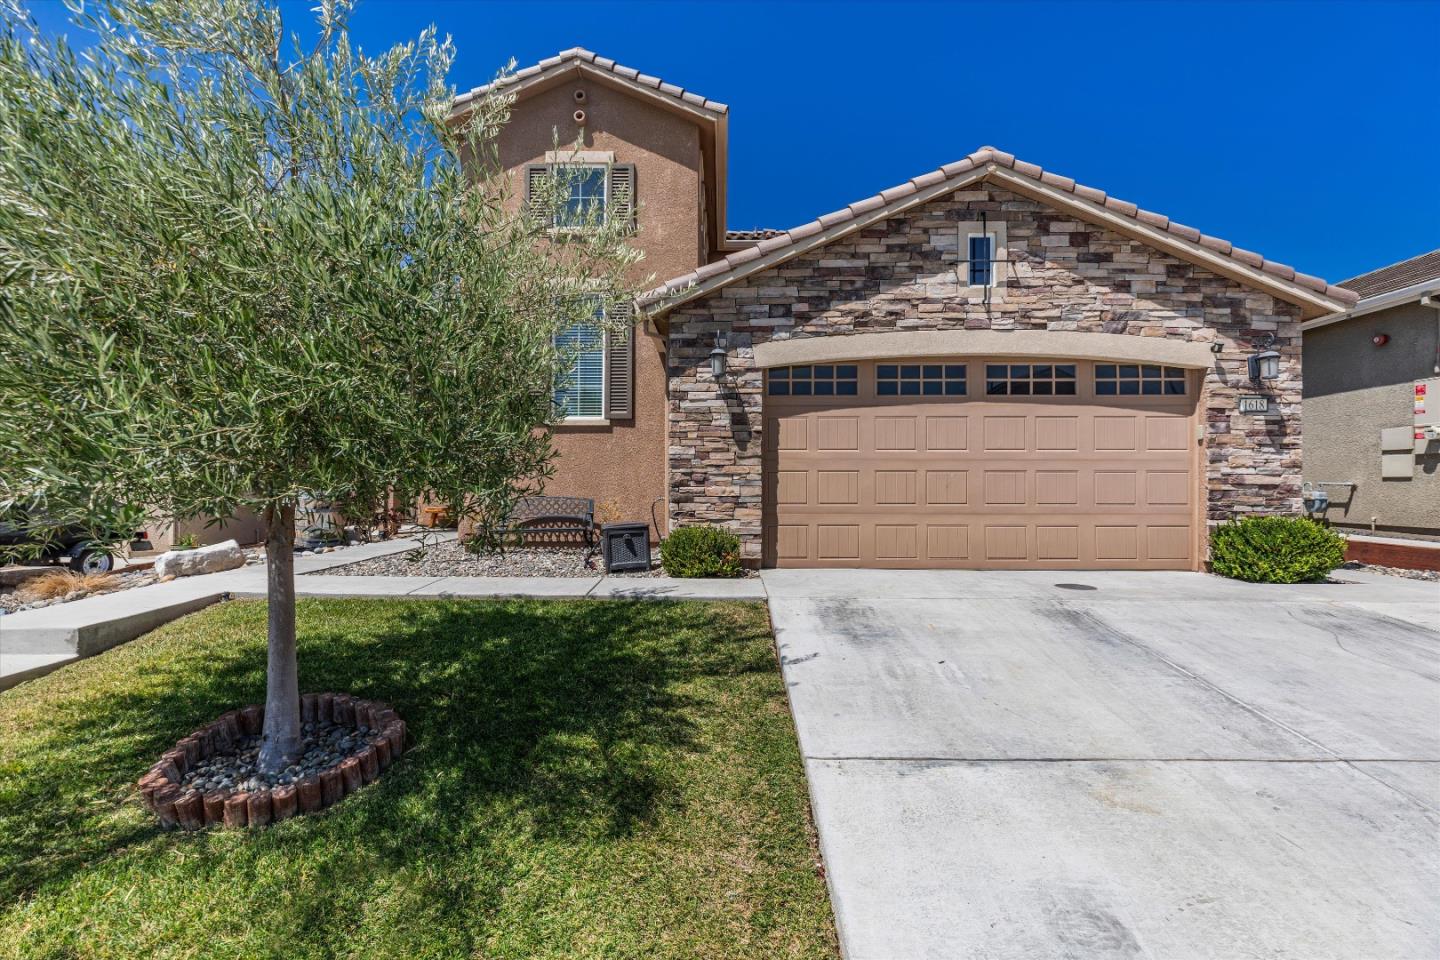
x=587 y=779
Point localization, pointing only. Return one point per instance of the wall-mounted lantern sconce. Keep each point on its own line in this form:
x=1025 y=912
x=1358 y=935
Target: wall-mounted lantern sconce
x=1217 y=348
x=1265 y=362
x=717 y=357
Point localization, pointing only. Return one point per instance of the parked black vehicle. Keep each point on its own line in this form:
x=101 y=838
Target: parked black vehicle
x=85 y=550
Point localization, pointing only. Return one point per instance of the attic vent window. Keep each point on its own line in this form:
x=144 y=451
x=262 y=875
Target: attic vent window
x=982 y=259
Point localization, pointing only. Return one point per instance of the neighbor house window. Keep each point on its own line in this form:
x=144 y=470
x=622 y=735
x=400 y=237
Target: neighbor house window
x=920 y=379
x=581 y=196
x=1030 y=379
x=1133 y=380
x=982 y=259
x=580 y=390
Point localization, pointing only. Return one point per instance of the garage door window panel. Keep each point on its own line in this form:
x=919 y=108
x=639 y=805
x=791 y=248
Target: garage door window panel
x=1030 y=379
x=1138 y=380
x=818 y=380
x=920 y=380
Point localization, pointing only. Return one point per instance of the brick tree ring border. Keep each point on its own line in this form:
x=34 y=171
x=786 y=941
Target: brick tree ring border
x=175 y=805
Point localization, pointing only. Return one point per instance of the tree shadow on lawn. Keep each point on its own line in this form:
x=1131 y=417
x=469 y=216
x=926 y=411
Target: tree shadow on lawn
x=544 y=719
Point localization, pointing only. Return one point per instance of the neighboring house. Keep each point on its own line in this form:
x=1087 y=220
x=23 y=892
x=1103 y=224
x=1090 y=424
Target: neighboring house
x=1372 y=381
x=986 y=366
x=246 y=527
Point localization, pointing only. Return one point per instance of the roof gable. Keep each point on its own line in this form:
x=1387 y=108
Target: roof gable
x=1314 y=295
x=710 y=116
x=579 y=60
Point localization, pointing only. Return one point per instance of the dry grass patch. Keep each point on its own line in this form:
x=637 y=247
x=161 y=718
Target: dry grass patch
x=60 y=583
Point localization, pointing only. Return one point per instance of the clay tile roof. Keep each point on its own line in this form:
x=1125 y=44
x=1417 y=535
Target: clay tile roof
x=990 y=155
x=578 y=55
x=1397 y=276
x=758 y=234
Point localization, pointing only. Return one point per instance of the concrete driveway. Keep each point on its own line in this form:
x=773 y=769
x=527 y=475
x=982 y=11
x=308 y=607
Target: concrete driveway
x=1032 y=764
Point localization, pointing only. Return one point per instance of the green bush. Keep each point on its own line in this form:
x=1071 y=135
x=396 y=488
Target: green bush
x=701 y=552
x=1275 y=550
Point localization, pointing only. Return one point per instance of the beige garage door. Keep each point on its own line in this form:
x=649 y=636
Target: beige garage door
x=991 y=463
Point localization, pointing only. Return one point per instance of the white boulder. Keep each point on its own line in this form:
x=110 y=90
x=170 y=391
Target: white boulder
x=211 y=559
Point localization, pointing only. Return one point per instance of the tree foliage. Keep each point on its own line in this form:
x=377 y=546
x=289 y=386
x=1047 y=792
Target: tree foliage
x=234 y=268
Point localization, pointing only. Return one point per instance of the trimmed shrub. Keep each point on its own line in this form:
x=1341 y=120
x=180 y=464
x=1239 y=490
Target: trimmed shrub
x=701 y=552
x=1275 y=550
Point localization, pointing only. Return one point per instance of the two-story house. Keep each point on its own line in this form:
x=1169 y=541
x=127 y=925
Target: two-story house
x=988 y=366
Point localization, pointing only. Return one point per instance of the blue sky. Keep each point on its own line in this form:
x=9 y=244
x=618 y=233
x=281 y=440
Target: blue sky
x=1309 y=132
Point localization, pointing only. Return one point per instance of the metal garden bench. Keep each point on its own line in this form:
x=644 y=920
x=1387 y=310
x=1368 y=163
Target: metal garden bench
x=551 y=516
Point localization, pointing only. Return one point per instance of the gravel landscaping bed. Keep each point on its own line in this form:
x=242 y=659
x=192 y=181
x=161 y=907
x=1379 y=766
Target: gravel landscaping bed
x=452 y=559
x=325 y=743
x=1393 y=571
x=12 y=599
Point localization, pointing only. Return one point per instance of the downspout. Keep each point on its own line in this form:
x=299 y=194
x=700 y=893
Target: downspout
x=1429 y=301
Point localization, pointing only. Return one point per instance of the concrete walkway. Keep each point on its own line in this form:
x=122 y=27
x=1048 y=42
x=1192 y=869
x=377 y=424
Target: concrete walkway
x=1170 y=765
x=37 y=642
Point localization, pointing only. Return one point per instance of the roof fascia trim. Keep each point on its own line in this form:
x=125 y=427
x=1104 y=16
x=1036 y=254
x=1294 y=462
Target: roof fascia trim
x=1381 y=301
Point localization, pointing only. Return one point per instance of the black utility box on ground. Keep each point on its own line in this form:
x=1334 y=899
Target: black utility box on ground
x=626 y=546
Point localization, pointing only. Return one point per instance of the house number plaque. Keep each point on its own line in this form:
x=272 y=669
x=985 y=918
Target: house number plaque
x=1253 y=403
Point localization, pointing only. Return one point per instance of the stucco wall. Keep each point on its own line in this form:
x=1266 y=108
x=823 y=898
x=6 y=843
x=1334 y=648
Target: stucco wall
x=1353 y=389
x=246 y=528
x=622 y=464
x=899 y=274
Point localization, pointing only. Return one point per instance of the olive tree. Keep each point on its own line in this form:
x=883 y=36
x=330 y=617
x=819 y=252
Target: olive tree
x=238 y=267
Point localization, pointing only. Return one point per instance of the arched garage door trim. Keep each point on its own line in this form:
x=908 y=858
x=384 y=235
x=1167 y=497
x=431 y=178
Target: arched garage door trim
x=967 y=343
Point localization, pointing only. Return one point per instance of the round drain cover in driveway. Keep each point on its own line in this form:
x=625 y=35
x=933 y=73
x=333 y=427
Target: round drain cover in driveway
x=1076 y=586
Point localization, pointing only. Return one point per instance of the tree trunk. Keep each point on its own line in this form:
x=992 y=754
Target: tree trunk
x=280 y=744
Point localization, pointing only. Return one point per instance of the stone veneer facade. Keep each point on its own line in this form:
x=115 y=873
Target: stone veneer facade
x=1064 y=274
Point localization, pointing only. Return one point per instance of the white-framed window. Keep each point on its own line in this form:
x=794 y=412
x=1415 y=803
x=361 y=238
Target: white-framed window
x=580 y=387
x=980 y=257
x=582 y=195
x=982 y=266
x=580 y=189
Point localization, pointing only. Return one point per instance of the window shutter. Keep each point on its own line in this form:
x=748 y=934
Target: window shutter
x=622 y=195
x=620 y=363
x=535 y=176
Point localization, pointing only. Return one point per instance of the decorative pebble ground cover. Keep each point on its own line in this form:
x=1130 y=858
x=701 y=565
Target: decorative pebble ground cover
x=210 y=777
x=1394 y=571
x=452 y=559
x=583 y=779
